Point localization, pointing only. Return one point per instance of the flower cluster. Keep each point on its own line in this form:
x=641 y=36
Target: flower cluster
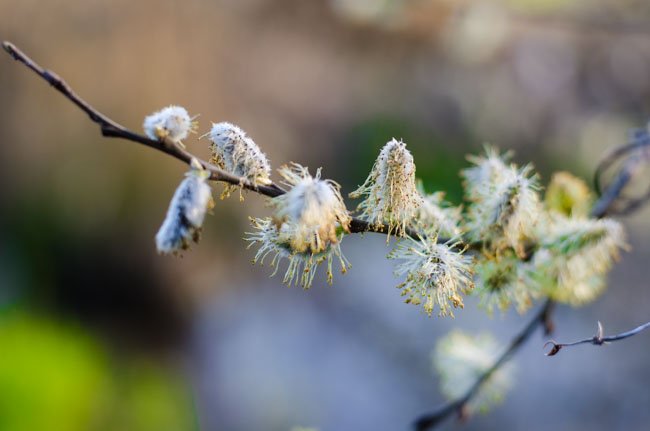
x=186 y=212
x=390 y=194
x=460 y=359
x=520 y=246
x=436 y=274
x=172 y=122
x=238 y=154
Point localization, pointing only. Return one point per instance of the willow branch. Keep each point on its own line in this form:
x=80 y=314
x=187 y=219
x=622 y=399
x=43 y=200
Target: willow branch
x=597 y=340
x=112 y=129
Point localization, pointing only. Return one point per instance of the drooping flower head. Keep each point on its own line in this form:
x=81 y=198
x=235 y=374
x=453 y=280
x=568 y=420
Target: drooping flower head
x=313 y=208
x=233 y=151
x=186 y=212
x=460 y=359
x=277 y=242
x=390 y=194
x=172 y=122
x=436 y=274
x=504 y=206
x=568 y=195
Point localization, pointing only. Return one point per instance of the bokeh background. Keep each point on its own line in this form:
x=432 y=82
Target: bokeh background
x=99 y=332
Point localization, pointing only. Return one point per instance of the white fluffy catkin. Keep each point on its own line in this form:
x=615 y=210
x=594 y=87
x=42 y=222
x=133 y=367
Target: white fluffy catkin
x=172 y=122
x=186 y=212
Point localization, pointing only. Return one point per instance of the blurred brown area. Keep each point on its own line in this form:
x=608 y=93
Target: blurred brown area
x=322 y=83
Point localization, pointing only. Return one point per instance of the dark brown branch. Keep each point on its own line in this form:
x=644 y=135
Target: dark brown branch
x=597 y=340
x=112 y=129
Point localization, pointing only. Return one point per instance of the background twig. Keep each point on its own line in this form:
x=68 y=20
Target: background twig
x=597 y=340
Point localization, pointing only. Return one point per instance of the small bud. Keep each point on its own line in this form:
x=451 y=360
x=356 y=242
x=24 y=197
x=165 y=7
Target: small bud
x=435 y=274
x=391 y=196
x=600 y=333
x=172 y=122
x=568 y=195
x=312 y=207
x=276 y=241
x=460 y=358
x=186 y=212
x=238 y=154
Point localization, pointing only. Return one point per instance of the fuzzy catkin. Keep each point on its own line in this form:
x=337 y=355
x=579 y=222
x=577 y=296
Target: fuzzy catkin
x=390 y=193
x=233 y=151
x=172 y=122
x=186 y=213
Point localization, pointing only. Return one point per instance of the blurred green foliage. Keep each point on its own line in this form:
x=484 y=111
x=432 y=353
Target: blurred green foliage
x=56 y=376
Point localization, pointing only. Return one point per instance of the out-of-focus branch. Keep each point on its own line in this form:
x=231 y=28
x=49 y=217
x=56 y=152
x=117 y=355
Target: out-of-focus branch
x=541 y=318
x=637 y=155
x=597 y=340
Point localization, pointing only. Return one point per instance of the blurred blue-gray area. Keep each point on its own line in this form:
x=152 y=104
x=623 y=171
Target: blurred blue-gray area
x=99 y=332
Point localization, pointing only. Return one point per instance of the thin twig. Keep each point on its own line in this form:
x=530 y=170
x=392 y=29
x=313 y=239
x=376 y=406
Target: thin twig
x=112 y=129
x=597 y=340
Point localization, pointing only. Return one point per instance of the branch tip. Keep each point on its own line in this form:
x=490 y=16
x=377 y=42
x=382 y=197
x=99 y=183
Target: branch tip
x=554 y=350
x=9 y=47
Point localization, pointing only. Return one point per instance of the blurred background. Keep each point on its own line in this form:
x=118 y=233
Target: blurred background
x=98 y=332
